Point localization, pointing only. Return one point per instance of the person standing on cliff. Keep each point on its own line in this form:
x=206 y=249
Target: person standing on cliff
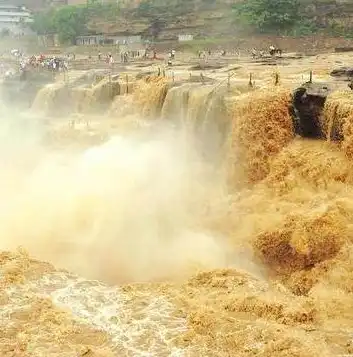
x=110 y=60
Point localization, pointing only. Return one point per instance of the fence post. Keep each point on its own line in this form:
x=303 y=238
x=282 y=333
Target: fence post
x=127 y=84
x=311 y=77
x=250 y=80
x=110 y=85
x=276 y=79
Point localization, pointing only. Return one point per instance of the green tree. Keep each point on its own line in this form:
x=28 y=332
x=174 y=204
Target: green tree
x=43 y=23
x=69 y=22
x=72 y=21
x=145 y=8
x=269 y=15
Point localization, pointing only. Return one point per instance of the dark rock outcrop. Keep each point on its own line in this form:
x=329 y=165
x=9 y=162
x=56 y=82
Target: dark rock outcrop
x=345 y=73
x=20 y=89
x=343 y=49
x=308 y=103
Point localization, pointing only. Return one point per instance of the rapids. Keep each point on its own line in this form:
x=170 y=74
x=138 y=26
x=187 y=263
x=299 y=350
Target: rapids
x=195 y=224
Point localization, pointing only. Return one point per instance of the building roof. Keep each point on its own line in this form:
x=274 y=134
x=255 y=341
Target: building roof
x=6 y=6
x=14 y=13
x=13 y=8
x=11 y=5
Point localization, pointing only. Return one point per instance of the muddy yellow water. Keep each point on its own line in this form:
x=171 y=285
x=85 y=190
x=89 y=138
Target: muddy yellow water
x=188 y=221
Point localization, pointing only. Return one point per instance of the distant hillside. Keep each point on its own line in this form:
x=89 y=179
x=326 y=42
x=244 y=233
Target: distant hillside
x=37 y=5
x=169 y=18
x=207 y=18
x=165 y=19
x=336 y=15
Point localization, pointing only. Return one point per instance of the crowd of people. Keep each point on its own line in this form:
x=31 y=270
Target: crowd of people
x=127 y=55
x=54 y=63
x=24 y=64
x=60 y=64
x=272 y=51
x=41 y=62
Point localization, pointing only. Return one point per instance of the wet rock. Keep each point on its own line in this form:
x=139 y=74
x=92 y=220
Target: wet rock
x=204 y=66
x=343 y=72
x=308 y=103
x=21 y=88
x=343 y=49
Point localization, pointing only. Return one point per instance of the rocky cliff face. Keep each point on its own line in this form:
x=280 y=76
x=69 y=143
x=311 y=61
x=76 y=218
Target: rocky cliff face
x=200 y=18
x=204 y=18
x=331 y=13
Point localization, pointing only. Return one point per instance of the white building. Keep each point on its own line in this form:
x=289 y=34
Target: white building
x=185 y=38
x=108 y=39
x=15 y=19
